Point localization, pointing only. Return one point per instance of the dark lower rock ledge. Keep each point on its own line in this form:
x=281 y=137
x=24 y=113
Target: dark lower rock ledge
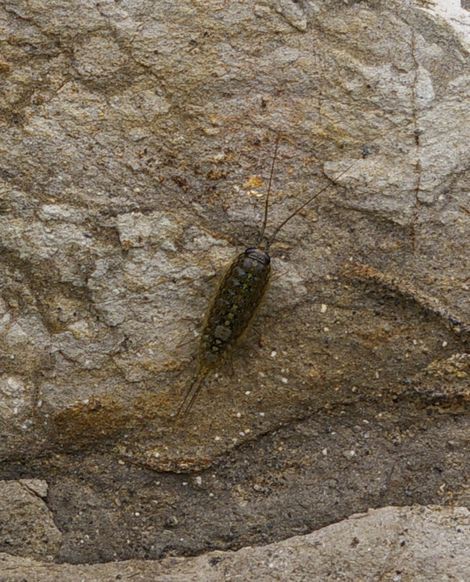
x=388 y=544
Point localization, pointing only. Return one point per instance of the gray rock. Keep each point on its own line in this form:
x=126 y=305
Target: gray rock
x=136 y=147
x=130 y=170
x=409 y=543
x=27 y=526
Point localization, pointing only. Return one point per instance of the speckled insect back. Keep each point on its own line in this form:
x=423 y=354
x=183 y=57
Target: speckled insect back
x=234 y=305
x=239 y=294
x=237 y=299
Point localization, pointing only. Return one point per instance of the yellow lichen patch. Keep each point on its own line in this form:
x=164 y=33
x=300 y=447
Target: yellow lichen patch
x=126 y=244
x=215 y=119
x=457 y=366
x=333 y=134
x=314 y=373
x=253 y=182
x=216 y=174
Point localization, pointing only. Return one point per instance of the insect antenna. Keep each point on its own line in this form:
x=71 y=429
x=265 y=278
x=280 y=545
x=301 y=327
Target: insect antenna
x=266 y=203
x=366 y=152
x=272 y=239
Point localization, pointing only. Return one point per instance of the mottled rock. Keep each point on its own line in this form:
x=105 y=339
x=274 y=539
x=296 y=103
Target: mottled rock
x=426 y=544
x=27 y=526
x=445 y=381
x=130 y=170
x=136 y=148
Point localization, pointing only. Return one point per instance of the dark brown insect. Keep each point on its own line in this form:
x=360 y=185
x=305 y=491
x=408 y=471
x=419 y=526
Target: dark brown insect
x=238 y=297
x=239 y=294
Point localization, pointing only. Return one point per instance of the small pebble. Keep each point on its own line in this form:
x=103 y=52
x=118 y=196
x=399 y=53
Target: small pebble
x=171 y=521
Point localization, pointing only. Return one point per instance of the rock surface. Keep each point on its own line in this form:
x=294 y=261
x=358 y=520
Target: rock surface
x=27 y=526
x=390 y=544
x=137 y=139
x=133 y=139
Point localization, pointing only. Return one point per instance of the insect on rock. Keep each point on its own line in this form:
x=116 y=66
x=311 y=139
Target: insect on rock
x=240 y=293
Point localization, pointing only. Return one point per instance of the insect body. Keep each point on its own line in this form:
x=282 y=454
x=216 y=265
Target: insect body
x=239 y=295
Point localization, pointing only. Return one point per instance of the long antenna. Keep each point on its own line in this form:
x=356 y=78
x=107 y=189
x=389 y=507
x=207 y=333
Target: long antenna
x=266 y=203
x=312 y=198
x=302 y=206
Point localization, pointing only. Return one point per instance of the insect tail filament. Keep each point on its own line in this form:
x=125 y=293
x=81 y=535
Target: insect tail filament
x=192 y=392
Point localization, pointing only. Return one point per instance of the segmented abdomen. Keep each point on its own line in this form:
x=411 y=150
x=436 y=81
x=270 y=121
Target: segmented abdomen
x=235 y=303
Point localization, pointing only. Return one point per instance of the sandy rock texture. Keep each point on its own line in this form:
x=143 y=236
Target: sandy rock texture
x=136 y=141
x=27 y=526
x=390 y=544
x=136 y=144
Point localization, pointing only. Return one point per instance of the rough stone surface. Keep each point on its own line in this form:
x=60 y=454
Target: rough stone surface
x=390 y=544
x=27 y=526
x=133 y=140
x=137 y=139
x=292 y=481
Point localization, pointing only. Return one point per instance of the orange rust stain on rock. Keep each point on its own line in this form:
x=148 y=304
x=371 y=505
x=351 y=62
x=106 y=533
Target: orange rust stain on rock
x=87 y=422
x=150 y=406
